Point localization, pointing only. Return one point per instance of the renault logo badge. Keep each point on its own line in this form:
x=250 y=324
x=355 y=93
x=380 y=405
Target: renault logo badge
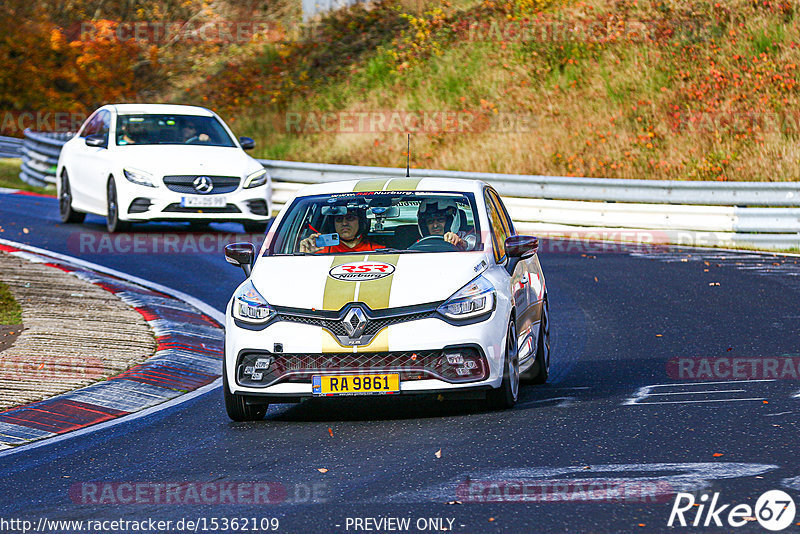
x=354 y=322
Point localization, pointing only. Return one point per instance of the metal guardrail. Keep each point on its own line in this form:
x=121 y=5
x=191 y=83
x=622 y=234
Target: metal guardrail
x=757 y=214
x=40 y=152
x=771 y=194
x=700 y=213
x=10 y=147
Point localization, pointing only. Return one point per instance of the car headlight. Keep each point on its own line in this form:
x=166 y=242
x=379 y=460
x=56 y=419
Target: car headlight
x=473 y=300
x=256 y=179
x=249 y=306
x=139 y=177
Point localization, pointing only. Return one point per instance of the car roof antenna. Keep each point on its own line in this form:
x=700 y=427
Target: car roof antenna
x=408 y=158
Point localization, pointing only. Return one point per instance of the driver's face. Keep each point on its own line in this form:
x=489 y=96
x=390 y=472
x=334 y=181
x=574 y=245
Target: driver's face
x=436 y=224
x=346 y=226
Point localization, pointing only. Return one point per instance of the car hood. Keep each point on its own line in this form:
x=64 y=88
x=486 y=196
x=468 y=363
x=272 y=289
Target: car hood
x=162 y=160
x=321 y=282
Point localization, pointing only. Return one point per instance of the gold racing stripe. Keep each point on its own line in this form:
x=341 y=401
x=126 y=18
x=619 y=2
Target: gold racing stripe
x=375 y=293
x=337 y=293
x=379 y=343
x=370 y=184
x=403 y=184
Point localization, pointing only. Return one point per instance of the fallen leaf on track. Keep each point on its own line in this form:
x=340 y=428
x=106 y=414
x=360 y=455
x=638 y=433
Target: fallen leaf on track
x=717 y=454
x=438 y=453
x=713 y=283
x=322 y=470
x=330 y=431
x=595 y=279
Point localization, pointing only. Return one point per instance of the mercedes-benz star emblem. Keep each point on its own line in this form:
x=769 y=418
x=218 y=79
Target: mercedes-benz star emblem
x=203 y=184
x=354 y=322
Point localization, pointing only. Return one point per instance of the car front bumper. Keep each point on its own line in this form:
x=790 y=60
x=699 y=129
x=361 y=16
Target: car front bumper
x=142 y=203
x=311 y=350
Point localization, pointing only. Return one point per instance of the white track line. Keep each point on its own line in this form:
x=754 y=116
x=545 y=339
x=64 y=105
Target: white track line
x=695 y=401
x=200 y=305
x=124 y=419
x=711 y=383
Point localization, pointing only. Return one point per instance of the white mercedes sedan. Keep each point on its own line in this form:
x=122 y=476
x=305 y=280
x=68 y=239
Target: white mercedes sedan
x=386 y=287
x=161 y=162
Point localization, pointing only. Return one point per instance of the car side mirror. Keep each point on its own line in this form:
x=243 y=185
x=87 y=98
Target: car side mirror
x=242 y=255
x=96 y=140
x=522 y=246
x=247 y=143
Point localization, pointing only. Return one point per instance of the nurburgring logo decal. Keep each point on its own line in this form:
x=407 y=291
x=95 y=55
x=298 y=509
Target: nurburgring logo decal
x=361 y=271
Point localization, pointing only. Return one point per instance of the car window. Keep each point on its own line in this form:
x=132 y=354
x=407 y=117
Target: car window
x=103 y=125
x=498 y=229
x=395 y=221
x=158 y=129
x=501 y=208
x=92 y=125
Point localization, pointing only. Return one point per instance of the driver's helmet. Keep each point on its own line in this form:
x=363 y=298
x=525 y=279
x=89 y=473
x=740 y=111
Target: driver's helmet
x=437 y=208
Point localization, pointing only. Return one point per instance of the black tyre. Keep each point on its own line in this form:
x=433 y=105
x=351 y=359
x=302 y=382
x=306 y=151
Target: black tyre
x=540 y=370
x=237 y=407
x=68 y=215
x=507 y=394
x=113 y=224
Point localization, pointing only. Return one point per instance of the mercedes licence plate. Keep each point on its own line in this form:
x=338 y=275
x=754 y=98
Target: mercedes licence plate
x=215 y=201
x=355 y=384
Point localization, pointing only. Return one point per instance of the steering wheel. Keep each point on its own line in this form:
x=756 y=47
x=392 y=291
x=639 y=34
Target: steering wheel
x=192 y=140
x=433 y=243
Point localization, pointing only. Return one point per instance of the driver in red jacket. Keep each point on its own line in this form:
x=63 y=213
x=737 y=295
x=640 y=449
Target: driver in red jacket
x=438 y=218
x=351 y=228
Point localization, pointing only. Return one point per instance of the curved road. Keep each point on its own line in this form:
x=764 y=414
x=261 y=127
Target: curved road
x=615 y=412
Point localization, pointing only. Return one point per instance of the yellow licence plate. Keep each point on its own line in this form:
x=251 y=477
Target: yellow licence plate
x=355 y=384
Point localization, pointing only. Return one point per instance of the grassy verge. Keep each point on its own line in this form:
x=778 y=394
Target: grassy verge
x=10 y=312
x=9 y=177
x=686 y=89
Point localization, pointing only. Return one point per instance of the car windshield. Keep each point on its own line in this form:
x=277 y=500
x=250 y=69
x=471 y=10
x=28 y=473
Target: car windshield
x=151 y=129
x=379 y=222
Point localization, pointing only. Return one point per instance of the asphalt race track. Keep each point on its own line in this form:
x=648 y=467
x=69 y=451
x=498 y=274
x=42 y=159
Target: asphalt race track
x=615 y=412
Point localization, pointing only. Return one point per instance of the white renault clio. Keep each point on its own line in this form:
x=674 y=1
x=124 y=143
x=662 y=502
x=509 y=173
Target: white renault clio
x=386 y=286
x=161 y=162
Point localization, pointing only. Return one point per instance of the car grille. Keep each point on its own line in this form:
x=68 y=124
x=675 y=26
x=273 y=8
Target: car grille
x=333 y=322
x=411 y=365
x=139 y=205
x=184 y=184
x=177 y=208
x=257 y=207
